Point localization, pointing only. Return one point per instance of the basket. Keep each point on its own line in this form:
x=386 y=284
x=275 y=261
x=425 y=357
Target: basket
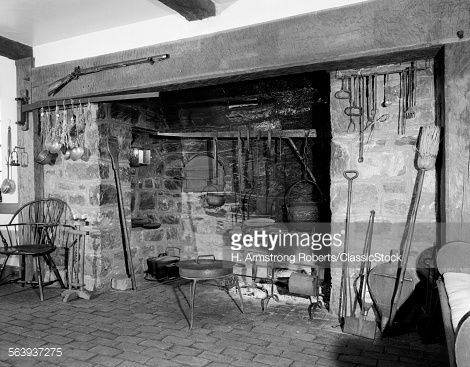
x=302 y=211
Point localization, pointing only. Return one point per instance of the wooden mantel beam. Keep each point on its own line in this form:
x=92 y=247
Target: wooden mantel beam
x=14 y=50
x=371 y=32
x=192 y=9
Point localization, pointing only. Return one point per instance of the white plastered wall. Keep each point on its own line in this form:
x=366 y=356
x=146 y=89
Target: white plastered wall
x=242 y=13
x=7 y=116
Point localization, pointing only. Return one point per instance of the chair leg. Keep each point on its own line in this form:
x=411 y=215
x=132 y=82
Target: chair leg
x=38 y=274
x=51 y=263
x=240 y=293
x=23 y=270
x=3 y=268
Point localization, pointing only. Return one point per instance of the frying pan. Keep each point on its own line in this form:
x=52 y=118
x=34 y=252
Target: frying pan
x=8 y=185
x=208 y=268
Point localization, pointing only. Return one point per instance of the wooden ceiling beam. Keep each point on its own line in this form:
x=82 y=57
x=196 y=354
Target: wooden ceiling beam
x=14 y=50
x=376 y=32
x=192 y=9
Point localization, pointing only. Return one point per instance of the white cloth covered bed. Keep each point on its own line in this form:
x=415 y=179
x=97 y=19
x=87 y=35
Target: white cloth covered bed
x=458 y=293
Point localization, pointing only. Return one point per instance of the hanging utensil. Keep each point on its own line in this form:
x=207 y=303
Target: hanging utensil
x=344 y=92
x=241 y=181
x=241 y=178
x=77 y=151
x=400 y=104
x=215 y=161
x=54 y=145
x=367 y=97
x=373 y=105
x=351 y=125
x=257 y=154
x=360 y=158
x=355 y=109
x=47 y=128
x=411 y=98
x=371 y=120
x=250 y=161
x=386 y=102
x=267 y=165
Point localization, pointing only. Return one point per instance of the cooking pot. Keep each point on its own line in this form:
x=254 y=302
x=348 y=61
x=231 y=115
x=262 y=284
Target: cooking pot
x=45 y=157
x=208 y=268
x=214 y=198
x=163 y=265
x=76 y=153
x=54 y=147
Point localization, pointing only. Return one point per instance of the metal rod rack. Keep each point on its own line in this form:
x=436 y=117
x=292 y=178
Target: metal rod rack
x=285 y=134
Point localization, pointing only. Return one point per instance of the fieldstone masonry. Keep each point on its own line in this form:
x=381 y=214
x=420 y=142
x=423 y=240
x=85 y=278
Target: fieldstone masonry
x=386 y=177
x=89 y=189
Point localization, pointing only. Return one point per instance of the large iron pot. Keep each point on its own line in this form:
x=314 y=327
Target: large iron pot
x=205 y=267
x=214 y=198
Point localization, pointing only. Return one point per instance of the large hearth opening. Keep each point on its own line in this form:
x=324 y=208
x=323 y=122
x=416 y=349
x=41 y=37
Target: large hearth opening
x=226 y=160
x=206 y=169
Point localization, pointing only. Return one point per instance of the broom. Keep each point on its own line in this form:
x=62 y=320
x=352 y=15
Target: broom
x=428 y=147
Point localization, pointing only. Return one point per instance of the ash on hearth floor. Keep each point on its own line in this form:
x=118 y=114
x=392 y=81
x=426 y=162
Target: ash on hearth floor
x=148 y=328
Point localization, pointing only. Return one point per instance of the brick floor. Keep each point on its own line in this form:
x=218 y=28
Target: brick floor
x=149 y=327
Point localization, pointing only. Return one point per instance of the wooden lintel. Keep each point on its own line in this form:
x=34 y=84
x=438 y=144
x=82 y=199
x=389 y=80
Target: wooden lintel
x=364 y=34
x=287 y=134
x=192 y=9
x=14 y=50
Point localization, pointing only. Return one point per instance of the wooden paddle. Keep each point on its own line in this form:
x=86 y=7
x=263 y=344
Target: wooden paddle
x=382 y=282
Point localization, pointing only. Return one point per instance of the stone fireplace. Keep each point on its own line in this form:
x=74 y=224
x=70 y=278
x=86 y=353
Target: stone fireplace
x=159 y=191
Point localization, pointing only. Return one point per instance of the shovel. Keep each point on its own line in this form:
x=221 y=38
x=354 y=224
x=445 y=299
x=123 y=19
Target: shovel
x=382 y=283
x=361 y=326
x=345 y=290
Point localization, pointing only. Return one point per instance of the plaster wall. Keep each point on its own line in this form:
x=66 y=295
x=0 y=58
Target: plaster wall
x=7 y=116
x=242 y=13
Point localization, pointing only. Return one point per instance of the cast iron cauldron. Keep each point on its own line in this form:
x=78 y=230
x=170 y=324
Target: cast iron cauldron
x=214 y=198
x=207 y=268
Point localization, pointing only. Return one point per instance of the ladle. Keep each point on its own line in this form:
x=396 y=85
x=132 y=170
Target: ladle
x=343 y=93
x=386 y=102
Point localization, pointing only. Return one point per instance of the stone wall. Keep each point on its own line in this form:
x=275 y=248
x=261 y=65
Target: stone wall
x=187 y=221
x=89 y=189
x=386 y=176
